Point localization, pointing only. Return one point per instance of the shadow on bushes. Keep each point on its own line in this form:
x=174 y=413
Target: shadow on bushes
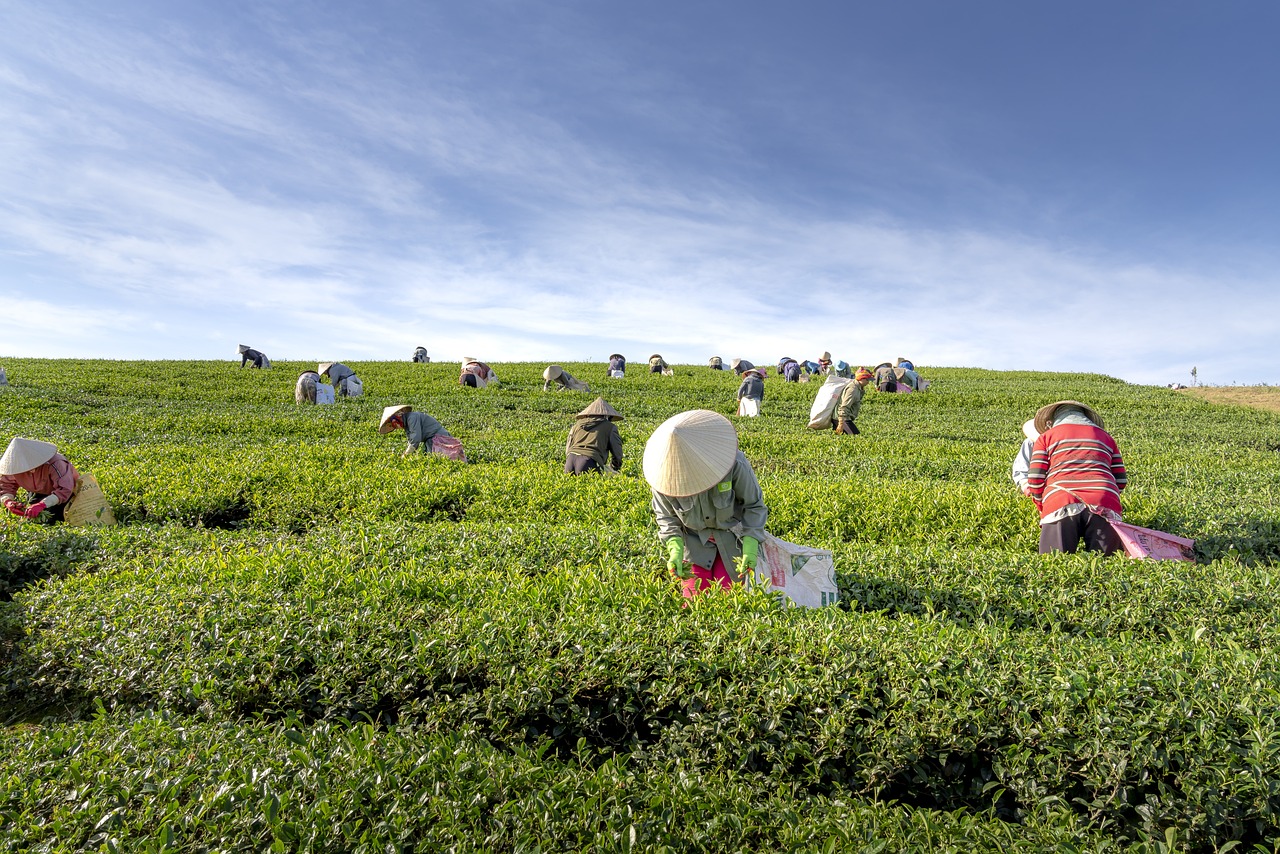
x=60 y=552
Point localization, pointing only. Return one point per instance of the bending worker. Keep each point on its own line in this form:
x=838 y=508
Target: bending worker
x=594 y=439
x=1075 y=478
x=751 y=393
x=617 y=366
x=420 y=427
x=476 y=374
x=789 y=368
x=658 y=365
x=345 y=382
x=420 y=356
x=886 y=378
x=36 y=467
x=253 y=358
x=844 y=419
x=559 y=376
x=305 y=390
x=741 y=366
x=1021 y=468
x=706 y=499
x=715 y=363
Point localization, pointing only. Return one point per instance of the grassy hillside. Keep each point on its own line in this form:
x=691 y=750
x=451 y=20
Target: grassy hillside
x=299 y=641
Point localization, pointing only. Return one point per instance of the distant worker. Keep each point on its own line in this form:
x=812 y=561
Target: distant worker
x=658 y=365
x=4 y=380
x=886 y=379
x=46 y=476
x=706 y=499
x=1075 y=478
x=844 y=419
x=617 y=366
x=305 y=390
x=789 y=369
x=906 y=375
x=424 y=432
x=715 y=363
x=741 y=366
x=811 y=367
x=1021 y=469
x=751 y=393
x=559 y=376
x=420 y=356
x=594 y=440
x=841 y=369
x=253 y=358
x=345 y=382
x=476 y=374
x=824 y=362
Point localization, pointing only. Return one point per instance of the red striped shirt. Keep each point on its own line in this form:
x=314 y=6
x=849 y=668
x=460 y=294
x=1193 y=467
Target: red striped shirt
x=1076 y=463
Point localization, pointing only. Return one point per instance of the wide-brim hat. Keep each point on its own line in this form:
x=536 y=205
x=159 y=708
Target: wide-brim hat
x=25 y=454
x=1029 y=429
x=715 y=360
x=616 y=356
x=552 y=372
x=690 y=453
x=1044 y=415
x=826 y=356
x=738 y=363
x=900 y=373
x=655 y=356
x=322 y=367
x=390 y=412
x=901 y=361
x=243 y=347
x=755 y=371
x=882 y=365
x=466 y=360
x=600 y=406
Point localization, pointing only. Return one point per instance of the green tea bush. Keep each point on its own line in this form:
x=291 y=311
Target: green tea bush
x=297 y=640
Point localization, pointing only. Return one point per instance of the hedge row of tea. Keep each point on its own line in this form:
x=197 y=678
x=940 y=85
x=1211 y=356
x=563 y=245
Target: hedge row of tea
x=297 y=640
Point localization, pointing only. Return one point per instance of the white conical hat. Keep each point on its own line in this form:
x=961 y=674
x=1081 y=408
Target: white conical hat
x=552 y=372
x=323 y=366
x=600 y=406
x=25 y=454
x=389 y=411
x=243 y=347
x=1029 y=429
x=690 y=452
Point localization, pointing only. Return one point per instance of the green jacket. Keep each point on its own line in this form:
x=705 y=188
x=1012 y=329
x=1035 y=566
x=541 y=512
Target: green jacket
x=596 y=437
x=422 y=429
x=850 y=402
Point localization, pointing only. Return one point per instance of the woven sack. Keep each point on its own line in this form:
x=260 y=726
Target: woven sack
x=748 y=407
x=87 y=505
x=806 y=576
x=824 y=405
x=449 y=448
x=1156 y=545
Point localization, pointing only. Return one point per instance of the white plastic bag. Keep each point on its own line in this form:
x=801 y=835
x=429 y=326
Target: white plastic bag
x=748 y=407
x=807 y=576
x=352 y=386
x=824 y=405
x=324 y=393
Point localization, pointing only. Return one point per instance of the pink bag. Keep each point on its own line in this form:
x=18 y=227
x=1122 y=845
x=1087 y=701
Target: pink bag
x=449 y=448
x=1157 y=545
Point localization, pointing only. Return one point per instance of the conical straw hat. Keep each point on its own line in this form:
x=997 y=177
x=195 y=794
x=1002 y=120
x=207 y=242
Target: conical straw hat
x=1044 y=415
x=552 y=372
x=600 y=407
x=25 y=454
x=1029 y=429
x=690 y=453
x=388 y=412
x=323 y=366
x=243 y=347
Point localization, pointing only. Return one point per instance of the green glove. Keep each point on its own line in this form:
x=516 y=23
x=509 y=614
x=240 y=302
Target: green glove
x=750 y=552
x=675 y=557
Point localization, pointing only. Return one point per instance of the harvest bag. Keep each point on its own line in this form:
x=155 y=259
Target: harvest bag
x=1157 y=545
x=324 y=393
x=903 y=387
x=805 y=575
x=449 y=448
x=825 y=403
x=87 y=505
x=617 y=375
x=352 y=386
x=266 y=363
x=748 y=407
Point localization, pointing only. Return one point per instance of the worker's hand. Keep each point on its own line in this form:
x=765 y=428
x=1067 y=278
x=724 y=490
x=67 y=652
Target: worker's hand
x=750 y=552
x=675 y=557
x=35 y=510
x=15 y=507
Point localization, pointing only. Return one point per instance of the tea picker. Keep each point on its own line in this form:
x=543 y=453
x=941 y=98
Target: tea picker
x=253 y=358
x=1075 y=478
x=304 y=391
x=562 y=379
x=423 y=431
x=594 y=440
x=844 y=419
x=789 y=369
x=715 y=363
x=1021 y=467
x=44 y=474
x=345 y=382
x=420 y=356
x=706 y=499
x=658 y=365
x=751 y=393
x=476 y=374
x=741 y=366
x=617 y=366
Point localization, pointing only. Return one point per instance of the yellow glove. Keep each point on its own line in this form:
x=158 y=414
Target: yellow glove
x=675 y=557
x=750 y=552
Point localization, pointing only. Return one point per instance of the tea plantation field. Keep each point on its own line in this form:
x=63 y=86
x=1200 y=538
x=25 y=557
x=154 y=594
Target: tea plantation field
x=298 y=641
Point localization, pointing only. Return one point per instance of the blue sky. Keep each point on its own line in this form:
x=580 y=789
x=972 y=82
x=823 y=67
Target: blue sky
x=1011 y=185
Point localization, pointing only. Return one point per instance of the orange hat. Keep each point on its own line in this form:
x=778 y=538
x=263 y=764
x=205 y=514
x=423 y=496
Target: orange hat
x=862 y=375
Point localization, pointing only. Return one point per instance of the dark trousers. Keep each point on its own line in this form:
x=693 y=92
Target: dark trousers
x=575 y=464
x=892 y=385
x=848 y=428
x=1065 y=534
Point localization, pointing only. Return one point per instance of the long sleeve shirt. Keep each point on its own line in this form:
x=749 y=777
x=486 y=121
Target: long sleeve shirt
x=596 y=437
x=564 y=381
x=1075 y=464
x=251 y=356
x=56 y=477
x=850 y=402
x=715 y=521
x=1021 y=469
x=422 y=429
x=752 y=387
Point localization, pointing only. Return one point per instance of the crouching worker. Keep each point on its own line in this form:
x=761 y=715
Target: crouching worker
x=617 y=366
x=715 y=363
x=476 y=374
x=707 y=501
x=424 y=432
x=594 y=440
x=1075 y=478
x=658 y=365
x=789 y=368
x=46 y=476
x=305 y=390
x=559 y=376
x=844 y=419
x=253 y=358
x=345 y=382
x=750 y=393
x=420 y=356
